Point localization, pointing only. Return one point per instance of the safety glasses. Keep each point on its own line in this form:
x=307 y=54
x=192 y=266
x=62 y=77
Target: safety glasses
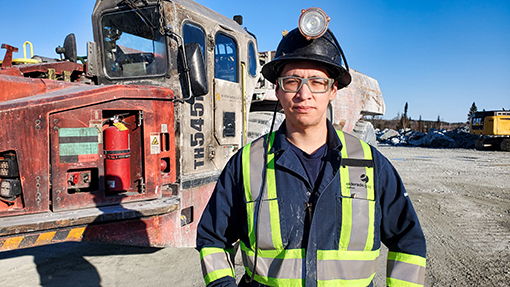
x=293 y=84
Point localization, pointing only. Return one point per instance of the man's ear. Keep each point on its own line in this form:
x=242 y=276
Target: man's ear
x=334 y=89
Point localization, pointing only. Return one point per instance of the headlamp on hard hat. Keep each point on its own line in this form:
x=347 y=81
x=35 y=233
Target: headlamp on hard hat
x=313 y=23
x=311 y=41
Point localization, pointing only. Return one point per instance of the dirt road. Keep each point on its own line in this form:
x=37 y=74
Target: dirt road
x=462 y=198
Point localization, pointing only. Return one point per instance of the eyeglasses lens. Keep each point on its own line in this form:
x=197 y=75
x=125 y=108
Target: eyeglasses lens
x=315 y=84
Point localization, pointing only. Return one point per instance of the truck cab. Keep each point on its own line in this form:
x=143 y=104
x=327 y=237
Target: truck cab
x=148 y=45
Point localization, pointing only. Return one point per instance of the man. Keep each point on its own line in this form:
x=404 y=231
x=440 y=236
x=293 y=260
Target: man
x=309 y=205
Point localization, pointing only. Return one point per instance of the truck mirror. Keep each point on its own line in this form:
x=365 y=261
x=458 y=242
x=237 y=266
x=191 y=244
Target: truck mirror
x=69 y=49
x=196 y=66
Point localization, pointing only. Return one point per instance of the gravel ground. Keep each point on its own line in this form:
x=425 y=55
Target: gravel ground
x=462 y=198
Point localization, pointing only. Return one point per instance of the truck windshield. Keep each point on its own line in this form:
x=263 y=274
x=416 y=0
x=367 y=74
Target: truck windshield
x=133 y=47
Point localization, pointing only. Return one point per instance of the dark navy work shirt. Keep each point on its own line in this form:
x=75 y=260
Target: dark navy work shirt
x=312 y=163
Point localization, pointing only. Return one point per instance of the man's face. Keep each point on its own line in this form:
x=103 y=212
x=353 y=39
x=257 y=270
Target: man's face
x=304 y=109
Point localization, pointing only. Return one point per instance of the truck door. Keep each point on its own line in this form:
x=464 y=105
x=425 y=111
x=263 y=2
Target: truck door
x=228 y=92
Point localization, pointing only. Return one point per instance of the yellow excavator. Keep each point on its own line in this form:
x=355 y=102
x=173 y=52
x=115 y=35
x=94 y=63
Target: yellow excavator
x=494 y=128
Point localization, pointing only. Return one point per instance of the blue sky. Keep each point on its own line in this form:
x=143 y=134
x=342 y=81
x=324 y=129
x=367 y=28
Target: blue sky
x=439 y=56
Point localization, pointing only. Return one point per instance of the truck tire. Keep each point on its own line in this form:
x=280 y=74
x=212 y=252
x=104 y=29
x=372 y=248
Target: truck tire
x=479 y=144
x=505 y=145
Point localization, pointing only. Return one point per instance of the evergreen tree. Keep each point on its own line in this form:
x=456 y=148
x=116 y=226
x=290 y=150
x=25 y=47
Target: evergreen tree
x=404 y=120
x=472 y=110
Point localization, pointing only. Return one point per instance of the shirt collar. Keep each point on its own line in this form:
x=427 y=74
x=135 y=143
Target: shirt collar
x=281 y=144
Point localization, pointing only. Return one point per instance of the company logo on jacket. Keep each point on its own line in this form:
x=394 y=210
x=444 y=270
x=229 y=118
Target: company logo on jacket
x=363 y=183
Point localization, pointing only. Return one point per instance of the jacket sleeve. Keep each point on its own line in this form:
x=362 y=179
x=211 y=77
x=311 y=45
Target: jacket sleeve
x=400 y=229
x=220 y=227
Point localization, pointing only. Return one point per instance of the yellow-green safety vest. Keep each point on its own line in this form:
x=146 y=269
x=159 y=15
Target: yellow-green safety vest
x=353 y=264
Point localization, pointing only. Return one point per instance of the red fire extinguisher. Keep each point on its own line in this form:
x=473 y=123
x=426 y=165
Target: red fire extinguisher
x=117 y=152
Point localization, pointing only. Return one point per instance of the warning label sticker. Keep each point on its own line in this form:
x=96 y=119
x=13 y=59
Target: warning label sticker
x=155 y=146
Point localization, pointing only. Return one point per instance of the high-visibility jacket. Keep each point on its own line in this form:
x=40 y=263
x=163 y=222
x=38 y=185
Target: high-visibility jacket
x=361 y=202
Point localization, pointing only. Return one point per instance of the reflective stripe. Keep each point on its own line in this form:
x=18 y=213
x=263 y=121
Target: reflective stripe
x=247 y=191
x=359 y=234
x=218 y=274
x=284 y=264
x=349 y=283
x=274 y=211
x=338 y=266
x=406 y=272
x=408 y=258
x=347 y=255
x=392 y=282
x=405 y=268
x=285 y=253
x=252 y=177
x=346 y=269
x=369 y=172
x=371 y=225
x=265 y=221
x=358 y=198
x=255 y=165
x=269 y=218
x=216 y=263
x=346 y=227
x=345 y=231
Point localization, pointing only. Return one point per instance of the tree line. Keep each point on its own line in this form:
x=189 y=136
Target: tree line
x=403 y=121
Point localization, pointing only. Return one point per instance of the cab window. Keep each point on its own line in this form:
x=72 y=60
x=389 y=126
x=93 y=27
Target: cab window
x=132 y=48
x=252 y=60
x=225 y=66
x=194 y=34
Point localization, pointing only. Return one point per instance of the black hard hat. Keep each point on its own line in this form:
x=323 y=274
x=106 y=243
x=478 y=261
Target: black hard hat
x=324 y=50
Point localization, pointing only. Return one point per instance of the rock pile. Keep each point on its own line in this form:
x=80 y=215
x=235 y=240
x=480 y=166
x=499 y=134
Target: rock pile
x=458 y=138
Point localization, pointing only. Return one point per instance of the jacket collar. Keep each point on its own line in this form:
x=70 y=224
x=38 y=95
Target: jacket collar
x=280 y=144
